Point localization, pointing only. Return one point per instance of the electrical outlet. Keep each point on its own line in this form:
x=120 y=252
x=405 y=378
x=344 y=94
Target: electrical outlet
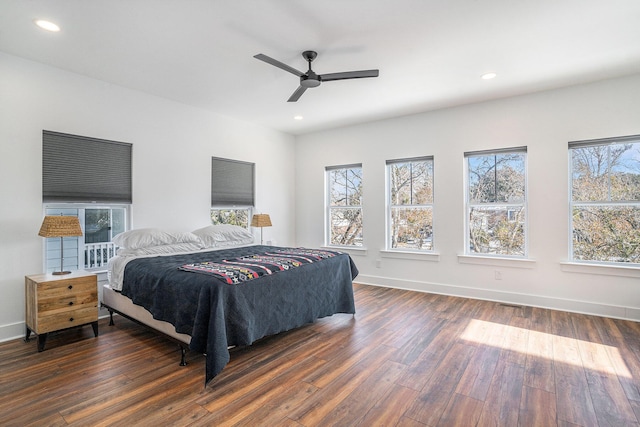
x=498 y=275
x=378 y=263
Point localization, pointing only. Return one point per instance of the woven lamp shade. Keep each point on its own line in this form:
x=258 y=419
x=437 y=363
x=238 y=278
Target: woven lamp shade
x=60 y=226
x=261 y=220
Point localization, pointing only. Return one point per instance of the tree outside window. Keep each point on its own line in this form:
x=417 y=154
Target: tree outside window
x=232 y=216
x=345 y=205
x=496 y=202
x=605 y=200
x=102 y=224
x=410 y=214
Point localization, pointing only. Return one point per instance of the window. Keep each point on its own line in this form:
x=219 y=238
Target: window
x=89 y=178
x=232 y=191
x=344 y=205
x=93 y=250
x=410 y=204
x=496 y=202
x=237 y=216
x=605 y=200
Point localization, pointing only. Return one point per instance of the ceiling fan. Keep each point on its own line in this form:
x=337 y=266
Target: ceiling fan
x=311 y=79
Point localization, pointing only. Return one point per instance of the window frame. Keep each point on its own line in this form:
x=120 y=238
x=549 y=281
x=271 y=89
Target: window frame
x=468 y=205
x=329 y=207
x=223 y=197
x=78 y=244
x=70 y=164
x=390 y=206
x=635 y=204
x=249 y=213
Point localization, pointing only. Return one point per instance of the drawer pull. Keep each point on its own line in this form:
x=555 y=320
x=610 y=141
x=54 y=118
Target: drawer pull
x=71 y=319
x=70 y=302
x=70 y=286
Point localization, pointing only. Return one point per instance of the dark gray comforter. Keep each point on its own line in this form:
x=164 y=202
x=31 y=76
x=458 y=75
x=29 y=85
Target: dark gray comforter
x=218 y=315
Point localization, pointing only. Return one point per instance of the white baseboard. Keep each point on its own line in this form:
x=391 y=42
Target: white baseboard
x=575 y=306
x=12 y=331
x=18 y=330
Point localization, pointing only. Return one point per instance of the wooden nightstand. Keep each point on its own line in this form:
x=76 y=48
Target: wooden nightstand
x=55 y=302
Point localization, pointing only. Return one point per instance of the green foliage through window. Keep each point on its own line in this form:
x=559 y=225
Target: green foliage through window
x=496 y=196
x=411 y=204
x=345 y=206
x=232 y=216
x=605 y=201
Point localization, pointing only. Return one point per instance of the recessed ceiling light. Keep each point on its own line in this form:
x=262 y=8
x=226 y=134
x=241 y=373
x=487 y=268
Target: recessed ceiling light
x=47 y=25
x=298 y=117
x=488 y=76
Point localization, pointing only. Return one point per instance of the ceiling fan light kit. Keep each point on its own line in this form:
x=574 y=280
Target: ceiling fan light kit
x=310 y=78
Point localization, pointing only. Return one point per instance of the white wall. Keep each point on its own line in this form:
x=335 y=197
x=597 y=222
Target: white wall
x=544 y=122
x=172 y=148
x=173 y=144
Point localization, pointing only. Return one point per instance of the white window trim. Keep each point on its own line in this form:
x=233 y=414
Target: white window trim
x=328 y=207
x=588 y=266
x=496 y=260
x=621 y=270
x=430 y=256
x=81 y=246
x=352 y=250
x=388 y=237
x=525 y=205
x=250 y=210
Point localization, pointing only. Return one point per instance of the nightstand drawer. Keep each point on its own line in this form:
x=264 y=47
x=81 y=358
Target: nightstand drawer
x=67 y=318
x=66 y=286
x=67 y=297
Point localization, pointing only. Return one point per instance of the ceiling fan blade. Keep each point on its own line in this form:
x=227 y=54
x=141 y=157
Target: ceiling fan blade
x=297 y=94
x=278 y=64
x=348 y=75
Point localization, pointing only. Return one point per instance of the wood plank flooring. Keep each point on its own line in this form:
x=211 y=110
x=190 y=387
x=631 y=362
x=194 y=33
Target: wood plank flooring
x=405 y=359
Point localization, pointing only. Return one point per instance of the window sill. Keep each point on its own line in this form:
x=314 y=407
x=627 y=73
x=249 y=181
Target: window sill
x=412 y=255
x=351 y=250
x=496 y=261
x=602 y=269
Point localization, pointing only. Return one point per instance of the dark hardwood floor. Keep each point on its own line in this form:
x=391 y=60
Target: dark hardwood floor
x=405 y=359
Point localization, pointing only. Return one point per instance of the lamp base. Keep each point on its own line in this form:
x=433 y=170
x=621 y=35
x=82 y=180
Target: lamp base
x=60 y=273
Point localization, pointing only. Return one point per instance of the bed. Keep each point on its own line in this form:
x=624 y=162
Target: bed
x=224 y=291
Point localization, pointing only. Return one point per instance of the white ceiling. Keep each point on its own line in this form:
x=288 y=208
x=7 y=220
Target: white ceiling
x=430 y=53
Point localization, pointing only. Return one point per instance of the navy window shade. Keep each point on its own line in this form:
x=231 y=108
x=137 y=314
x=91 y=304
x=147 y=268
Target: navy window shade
x=85 y=170
x=232 y=182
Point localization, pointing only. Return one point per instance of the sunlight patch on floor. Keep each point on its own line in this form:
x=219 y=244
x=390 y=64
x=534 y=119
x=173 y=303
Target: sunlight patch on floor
x=593 y=356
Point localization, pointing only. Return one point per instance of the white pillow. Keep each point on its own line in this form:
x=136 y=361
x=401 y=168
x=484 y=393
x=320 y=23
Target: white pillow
x=161 y=250
x=149 y=237
x=186 y=237
x=223 y=235
x=142 y=238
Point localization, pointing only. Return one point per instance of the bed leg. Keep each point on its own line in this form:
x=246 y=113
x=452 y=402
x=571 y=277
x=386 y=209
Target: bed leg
x=183 y=357
x=111 y=318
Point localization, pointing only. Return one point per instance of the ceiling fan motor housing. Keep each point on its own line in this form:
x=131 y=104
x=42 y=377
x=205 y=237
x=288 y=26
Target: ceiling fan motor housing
x=310 y=79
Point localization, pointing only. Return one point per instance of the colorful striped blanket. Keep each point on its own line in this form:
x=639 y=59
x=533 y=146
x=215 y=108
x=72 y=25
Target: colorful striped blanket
x=238 y=270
